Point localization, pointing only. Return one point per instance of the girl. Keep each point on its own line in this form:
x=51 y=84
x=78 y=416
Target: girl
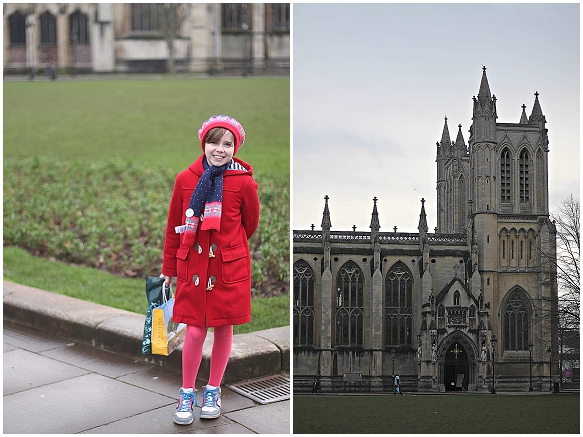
x=214 y=210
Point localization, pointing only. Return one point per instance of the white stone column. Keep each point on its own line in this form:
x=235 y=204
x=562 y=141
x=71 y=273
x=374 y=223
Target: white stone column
x=102 y=40
x=376 y=314
x=326 y=332
x=258 y=38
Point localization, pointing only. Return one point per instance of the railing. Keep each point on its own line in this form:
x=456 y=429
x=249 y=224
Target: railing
x=384 y=237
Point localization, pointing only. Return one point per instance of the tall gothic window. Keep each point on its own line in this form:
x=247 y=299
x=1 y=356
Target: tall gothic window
x=48 y=28
x=472 y=317
x=234 y=15
x=17 y=24
x=278 y=16
x=349 y=305
x=153 y=18
x=78 y=28
x=398 y=306
x=440 y=317
x=505 y=178
x=303 y=308
x=516 y=323
x=524 y=177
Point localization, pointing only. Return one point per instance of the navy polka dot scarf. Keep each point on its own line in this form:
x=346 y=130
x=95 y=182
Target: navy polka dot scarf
x=206 y=202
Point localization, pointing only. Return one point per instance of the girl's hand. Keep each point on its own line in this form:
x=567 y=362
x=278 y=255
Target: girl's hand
x=167 y=280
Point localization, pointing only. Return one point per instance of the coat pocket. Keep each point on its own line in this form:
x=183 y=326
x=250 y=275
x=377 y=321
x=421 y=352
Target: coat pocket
x=182 y=263
x=235 y=266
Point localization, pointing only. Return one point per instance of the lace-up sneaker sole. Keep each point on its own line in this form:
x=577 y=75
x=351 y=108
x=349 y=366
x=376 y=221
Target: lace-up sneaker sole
x=186 y=420
x=210 y=414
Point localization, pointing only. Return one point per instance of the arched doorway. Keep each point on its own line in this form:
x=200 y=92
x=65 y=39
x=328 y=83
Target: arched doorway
x=456 y=368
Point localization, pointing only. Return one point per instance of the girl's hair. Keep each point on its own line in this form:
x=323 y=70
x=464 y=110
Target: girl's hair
x=215 y=134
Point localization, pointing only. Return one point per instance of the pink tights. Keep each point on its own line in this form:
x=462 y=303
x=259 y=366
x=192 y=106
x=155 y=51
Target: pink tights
x=192 y=354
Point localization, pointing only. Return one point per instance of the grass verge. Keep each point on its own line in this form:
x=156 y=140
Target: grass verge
x=123 y=293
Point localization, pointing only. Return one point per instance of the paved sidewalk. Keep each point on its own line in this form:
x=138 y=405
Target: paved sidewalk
x=72 y=366
x=55 y=385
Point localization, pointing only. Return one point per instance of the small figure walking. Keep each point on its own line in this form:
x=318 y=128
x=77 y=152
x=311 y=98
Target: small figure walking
x=398 y=385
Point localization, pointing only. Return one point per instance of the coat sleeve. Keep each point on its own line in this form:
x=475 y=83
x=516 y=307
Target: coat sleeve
x=172 y=239
x=250 y=213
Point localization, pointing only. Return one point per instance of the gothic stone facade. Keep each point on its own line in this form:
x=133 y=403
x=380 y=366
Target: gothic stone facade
x=130 y=37
x=470 y=305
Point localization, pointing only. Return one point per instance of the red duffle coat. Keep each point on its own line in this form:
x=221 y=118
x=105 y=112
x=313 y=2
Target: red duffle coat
x=213 y=278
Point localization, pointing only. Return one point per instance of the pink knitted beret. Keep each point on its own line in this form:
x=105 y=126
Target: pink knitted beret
x=226 y=122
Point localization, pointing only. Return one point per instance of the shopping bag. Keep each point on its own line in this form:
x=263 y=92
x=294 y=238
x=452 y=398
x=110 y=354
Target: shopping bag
x=167 y=335
x=157 y=294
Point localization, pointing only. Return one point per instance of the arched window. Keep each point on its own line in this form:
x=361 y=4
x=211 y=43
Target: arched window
x=277 y=16
x=472 y=317
x=505 y=177
x=524 y=177
x=441 y=317
x=303 y=304
x=17 y=24
x=48 y=28
x=456 y=298
x=516 y=323
x=349 y=305
x=78 y=28
x=398 y=306
x=235 y=15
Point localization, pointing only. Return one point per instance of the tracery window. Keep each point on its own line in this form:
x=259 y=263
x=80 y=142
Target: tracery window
x=154 y=18
x=524 y=177
x=48 y=28
x=516 y=323
x=17 y=24
x=456 y=298
x=472 y=317
x=278 y=16
x=234 y=16
x=398 y=306
x=78 y=29
x=441 y=317
x=505 y=177
x=349 y=305
x=303 y=304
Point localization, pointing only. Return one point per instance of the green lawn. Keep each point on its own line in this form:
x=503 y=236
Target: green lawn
x=148 y=121
x=437 y=414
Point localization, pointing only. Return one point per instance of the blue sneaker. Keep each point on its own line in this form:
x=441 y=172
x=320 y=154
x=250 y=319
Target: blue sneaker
x=183 y=414
x=211 y=403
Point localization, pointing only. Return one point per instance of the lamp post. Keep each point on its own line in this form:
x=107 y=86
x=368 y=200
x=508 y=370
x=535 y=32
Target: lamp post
x=393 y=357
x=530 y=364
x=74 y=40
x=493 y=341
x=550 y=351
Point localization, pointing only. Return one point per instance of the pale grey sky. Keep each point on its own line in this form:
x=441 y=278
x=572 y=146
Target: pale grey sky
x=372 y=84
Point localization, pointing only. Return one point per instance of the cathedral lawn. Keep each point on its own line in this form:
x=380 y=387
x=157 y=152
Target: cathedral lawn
x=151 y=120
x=443 y=414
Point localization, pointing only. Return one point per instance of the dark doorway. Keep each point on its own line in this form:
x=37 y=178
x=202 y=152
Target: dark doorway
x=456 y=369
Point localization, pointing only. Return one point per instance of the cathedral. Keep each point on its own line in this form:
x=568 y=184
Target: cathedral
x=471 y=306
x=214 y=38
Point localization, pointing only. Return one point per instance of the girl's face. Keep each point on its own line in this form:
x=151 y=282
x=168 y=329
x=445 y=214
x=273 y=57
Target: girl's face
x=220 y=152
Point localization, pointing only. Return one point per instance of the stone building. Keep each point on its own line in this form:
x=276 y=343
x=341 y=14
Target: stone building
x=471 y=306
x=245 y=38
